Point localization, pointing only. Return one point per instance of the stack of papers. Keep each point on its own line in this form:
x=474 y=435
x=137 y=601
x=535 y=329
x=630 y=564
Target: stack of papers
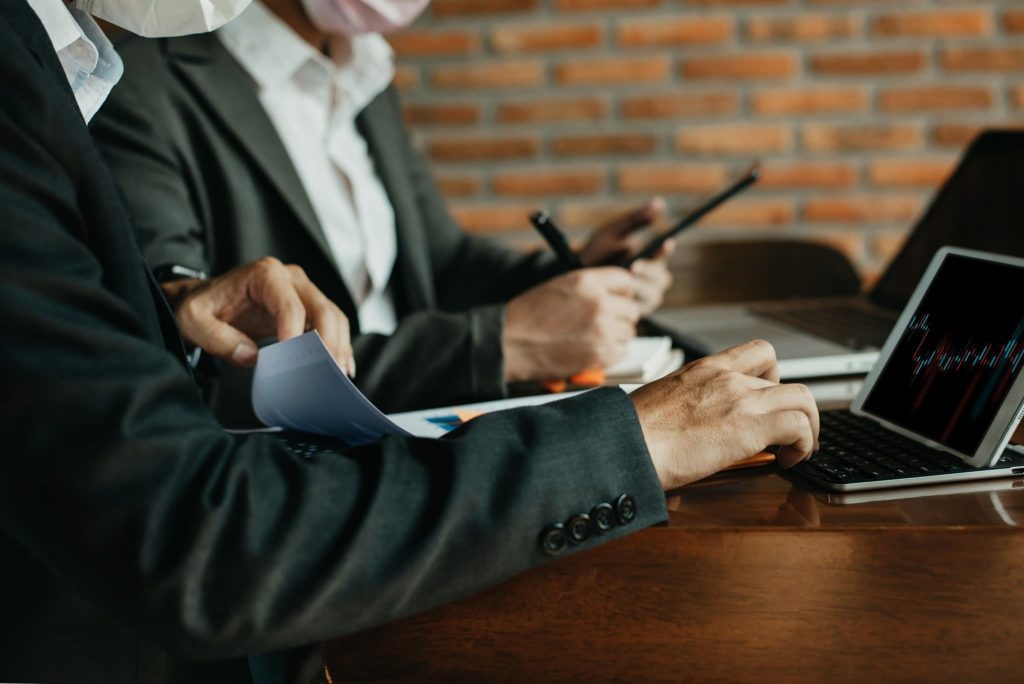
x=298 y=386
x=647 y=359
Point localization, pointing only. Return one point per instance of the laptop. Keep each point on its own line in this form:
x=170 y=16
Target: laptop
x=947 y=392
x=980 y=207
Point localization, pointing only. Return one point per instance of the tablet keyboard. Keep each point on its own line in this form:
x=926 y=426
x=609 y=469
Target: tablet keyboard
x=855 y=449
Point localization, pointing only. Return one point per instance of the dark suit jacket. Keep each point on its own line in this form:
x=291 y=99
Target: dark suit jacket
x=136 y=534
x=210 y=186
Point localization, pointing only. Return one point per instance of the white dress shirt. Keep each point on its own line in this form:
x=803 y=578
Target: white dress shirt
x=313 y=101
x=91 y=64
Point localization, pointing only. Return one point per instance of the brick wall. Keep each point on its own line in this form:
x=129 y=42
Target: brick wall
x=858 y=108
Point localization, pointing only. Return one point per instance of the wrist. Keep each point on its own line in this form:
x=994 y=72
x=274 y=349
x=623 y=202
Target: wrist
x=177 y=291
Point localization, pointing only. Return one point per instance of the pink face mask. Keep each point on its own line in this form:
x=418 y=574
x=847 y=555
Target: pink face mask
x=353 y=17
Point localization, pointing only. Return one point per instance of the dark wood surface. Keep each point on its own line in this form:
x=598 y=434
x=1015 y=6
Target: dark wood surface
x=755 y=578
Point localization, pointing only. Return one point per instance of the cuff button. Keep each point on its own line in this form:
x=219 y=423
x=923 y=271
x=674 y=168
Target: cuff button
x=554 y=539
x=625 y=509
x=579 y=528
x=603 y=517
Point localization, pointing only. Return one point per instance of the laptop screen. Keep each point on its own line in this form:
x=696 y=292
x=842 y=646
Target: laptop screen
x=981 y=207
x=958 y=356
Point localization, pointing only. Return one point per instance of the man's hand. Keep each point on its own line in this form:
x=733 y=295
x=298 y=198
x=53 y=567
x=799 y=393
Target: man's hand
x=612 y=243
x=577 y=321
x=722 y=409
x=265 y=298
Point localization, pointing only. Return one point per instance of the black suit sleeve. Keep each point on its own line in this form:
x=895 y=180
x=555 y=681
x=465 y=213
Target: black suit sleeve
x=119 y=481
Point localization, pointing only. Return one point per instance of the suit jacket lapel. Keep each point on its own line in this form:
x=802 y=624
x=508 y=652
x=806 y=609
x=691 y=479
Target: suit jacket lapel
x=378 y=123
x=222 y=83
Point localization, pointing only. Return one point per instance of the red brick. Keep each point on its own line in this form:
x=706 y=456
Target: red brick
x=605 y=143
x=752 y=213
x=751 y=65
x=419 y=43
x=546 y=37
x=805 y=27
x=588 y=214
x=931 y=98
x=1017 y=96
x=858 y=137
x=863 y=209
x=934 y=24
x=455 y=114
x=1013 y=21
x=613 y=70
x=870 y=63
x=821 y=100
x=887 y=245
x=465 y=8
x=462 y=148
x=923 y=173
x=492 y=218
x=406 y=77
x=544 y=183
x=983 y=59
x=808 y=175
x=489 y=75
x=735 y=3
x=529 y=111
x=666 y=31
x=590 y=5
x=459 y=186
x=656 y=178
x=955 y=135
x=682 y=104
x=734 y=139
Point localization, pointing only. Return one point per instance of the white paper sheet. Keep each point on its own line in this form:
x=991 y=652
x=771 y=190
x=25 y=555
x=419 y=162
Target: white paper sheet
x=645 y=356
x=298 y=386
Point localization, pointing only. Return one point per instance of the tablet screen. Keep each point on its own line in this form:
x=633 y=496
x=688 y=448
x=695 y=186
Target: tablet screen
x=953 y=366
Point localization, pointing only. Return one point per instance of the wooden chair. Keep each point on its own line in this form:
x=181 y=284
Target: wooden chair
x=714 y=272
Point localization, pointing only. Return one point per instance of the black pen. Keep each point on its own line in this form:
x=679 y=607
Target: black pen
x=541 y=220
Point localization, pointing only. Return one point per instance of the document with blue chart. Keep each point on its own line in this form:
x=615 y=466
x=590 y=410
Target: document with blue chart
x=957 y=359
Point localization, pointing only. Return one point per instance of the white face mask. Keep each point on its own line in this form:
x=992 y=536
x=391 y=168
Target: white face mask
x=164 y=18
x=353 y=17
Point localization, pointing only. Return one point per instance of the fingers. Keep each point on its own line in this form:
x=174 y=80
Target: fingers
x=326 y=318
x=270 y=286
x=638 y=218
x=200 y=325
x=793 y=397
x=611 y=279
x=652 y=281
x=756 y=358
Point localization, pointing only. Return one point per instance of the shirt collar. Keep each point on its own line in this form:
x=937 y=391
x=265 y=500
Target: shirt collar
x=272 y=53
x=60 y=26
x=90 y=63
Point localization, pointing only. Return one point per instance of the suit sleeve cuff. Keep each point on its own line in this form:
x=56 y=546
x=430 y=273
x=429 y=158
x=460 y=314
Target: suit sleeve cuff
x=487 y=364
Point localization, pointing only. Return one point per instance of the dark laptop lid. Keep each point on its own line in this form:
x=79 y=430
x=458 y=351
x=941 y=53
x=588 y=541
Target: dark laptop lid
x=981 y=207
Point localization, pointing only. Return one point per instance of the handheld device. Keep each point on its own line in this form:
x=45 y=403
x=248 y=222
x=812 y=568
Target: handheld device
x=748 y=178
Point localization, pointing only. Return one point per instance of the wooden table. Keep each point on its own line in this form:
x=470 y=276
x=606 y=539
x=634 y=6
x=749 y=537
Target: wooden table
x=755 y=578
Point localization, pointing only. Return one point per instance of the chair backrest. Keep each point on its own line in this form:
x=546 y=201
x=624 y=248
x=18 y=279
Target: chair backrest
x=712 y=272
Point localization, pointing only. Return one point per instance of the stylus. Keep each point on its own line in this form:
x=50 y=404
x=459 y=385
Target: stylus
x=541 y=220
